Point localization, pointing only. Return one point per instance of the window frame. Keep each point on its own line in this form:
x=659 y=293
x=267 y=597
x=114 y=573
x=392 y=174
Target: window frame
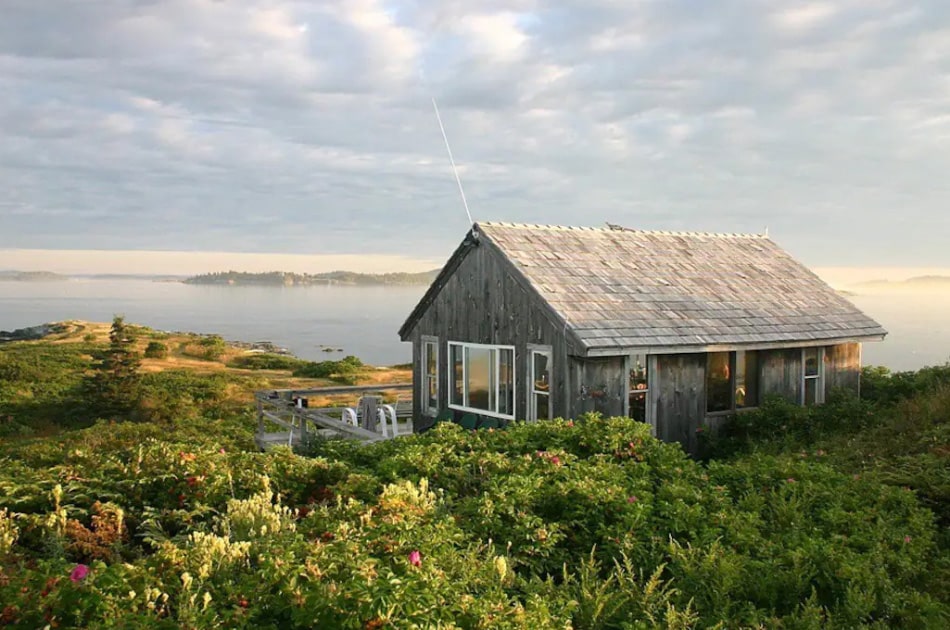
x=532 y=411
x=733 y=364
x=427 y=343
x=450 y=369
x=648 y=366
x=819 y=377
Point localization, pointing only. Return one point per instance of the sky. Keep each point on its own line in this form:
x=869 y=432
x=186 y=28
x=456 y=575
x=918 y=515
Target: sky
x=306 y=127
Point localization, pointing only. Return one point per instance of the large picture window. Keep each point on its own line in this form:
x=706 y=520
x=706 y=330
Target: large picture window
x=430 y=375
x=732 y=380
x=483 y=378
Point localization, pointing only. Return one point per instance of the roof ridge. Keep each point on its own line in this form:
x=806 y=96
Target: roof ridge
x=510 y=224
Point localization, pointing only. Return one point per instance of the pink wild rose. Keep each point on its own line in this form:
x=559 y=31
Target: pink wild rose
x=79 y=573
x=907 y=539
x=632 y=499
x=415 y=558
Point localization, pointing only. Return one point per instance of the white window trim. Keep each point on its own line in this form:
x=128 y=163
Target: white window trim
x=820 y=377
x=450 y=370
x=532 y=412
x=430 y=342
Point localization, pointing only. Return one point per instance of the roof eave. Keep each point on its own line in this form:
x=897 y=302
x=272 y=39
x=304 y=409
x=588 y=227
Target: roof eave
x=607 y=351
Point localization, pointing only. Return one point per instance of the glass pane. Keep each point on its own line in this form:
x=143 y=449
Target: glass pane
x=747 y=379
x=638 y=371
x=811 y=361
x=481 y=389
x=506 y=382
x=542 y=407
x=718 y=382
x=430 y=358
x=541 y=374
x=811 y=391
x=457 y=392
x=638 y=405
x=433 y=394
x=638 y=387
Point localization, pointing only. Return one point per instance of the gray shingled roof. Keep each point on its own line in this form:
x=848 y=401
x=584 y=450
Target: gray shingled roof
x=620 y=288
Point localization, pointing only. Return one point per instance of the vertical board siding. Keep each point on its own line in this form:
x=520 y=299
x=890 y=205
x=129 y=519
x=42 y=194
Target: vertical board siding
x=483 y=302
x=598 y=385
x=780 y=373
x=843 y=368
x=680 y=399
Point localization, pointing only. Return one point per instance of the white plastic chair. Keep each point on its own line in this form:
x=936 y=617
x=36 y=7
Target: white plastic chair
x=390 y=410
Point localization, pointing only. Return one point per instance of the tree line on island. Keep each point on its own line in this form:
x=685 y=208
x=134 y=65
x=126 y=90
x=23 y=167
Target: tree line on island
x=283 y=278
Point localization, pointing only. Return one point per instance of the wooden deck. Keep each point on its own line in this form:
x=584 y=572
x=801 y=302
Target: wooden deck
x=283 y=420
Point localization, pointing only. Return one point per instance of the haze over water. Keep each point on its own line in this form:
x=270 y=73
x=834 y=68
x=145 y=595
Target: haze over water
x=364 y=321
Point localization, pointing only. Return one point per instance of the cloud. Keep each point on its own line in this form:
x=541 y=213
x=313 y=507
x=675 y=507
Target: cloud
x=305 y=126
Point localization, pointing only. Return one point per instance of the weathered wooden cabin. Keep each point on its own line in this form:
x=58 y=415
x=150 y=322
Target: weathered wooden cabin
x=673 y=329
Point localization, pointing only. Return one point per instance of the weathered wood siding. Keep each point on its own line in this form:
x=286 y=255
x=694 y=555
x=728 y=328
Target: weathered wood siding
x=680 y=398
x=780 y=372
x=843 y=368
x=598 y=385
x=484 y=301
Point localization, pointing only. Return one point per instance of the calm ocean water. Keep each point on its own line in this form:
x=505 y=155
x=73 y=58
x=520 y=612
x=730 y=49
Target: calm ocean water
x=364 y=320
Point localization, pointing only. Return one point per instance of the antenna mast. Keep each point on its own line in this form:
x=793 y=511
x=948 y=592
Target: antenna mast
x=452 y=160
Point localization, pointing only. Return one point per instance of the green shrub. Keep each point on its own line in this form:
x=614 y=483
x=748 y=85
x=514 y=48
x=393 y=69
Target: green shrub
x=345 y=367
x=879 y=384
x=156 y=350
x=267 y=361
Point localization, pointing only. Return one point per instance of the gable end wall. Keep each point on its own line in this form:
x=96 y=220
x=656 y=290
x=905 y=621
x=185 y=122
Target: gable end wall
x=484 y=301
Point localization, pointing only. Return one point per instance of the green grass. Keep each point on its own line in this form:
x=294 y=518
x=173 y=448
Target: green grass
x=833 y=517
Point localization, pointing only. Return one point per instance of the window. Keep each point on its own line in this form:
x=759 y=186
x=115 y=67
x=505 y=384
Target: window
x=719 y=389
x=539 y=399
x=732 y=381
x=430 y=375
x=639 y=387
x=483 y=378
x=747 y=379
x=813 y=391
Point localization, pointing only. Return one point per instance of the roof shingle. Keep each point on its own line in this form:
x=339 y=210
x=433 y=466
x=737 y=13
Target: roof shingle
x=626 y=288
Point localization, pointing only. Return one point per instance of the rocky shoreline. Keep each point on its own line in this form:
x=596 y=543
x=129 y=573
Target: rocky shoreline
x=31 y=333
x=41 y=331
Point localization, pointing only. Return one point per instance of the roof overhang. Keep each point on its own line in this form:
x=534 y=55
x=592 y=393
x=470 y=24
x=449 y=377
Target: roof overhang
x=693 y=349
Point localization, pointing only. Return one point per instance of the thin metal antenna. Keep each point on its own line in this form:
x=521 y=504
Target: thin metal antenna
x=452 y=160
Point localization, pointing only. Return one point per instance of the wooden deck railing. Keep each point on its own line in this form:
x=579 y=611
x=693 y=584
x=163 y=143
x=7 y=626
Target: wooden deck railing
x=285 y=408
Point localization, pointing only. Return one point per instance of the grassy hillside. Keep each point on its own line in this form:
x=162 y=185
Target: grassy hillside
x=172 y=521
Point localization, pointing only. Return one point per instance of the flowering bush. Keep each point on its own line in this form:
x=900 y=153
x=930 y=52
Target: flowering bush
x=586 y=524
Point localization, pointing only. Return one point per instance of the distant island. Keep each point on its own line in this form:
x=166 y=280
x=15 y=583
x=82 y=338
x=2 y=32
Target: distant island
x=31 y=276
x=283 y=278
x=916 y=281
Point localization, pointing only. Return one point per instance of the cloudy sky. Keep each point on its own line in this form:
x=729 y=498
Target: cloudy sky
x=306 y=126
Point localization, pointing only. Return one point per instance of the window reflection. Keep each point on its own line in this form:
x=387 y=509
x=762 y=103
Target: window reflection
x=639 y=387
x=718 y=382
